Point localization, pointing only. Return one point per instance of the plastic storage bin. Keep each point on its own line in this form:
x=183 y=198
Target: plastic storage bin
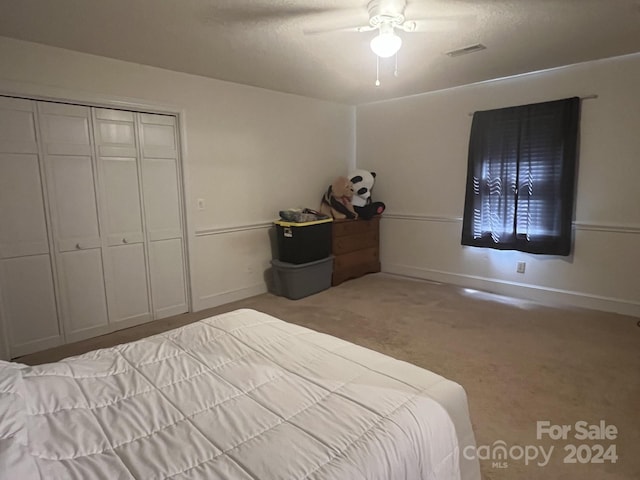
x=296 y=281
x=303 y=242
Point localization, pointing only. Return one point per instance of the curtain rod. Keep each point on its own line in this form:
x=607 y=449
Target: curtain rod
x=586 y=97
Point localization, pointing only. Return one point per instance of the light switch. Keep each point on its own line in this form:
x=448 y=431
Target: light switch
x=200 y=204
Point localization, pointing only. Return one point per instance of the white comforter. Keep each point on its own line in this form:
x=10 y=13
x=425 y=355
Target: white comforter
x=236 y=396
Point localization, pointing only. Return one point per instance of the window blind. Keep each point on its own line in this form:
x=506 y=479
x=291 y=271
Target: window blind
x=521 y=178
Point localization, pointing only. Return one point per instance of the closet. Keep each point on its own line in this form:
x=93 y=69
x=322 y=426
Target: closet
x=91 y=226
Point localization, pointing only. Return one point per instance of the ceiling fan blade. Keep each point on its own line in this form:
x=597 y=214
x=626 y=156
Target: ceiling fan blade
x=318 y=31
x=257 y=13
x=429 y=25
x=438 y=24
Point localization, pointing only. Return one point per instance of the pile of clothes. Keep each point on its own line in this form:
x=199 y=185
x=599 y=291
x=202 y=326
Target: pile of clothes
x=301 y=215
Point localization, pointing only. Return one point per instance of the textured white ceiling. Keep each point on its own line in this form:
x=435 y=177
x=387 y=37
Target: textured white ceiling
x=261 y=42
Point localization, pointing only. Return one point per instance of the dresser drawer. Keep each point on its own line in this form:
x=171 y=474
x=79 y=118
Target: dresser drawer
x=355 y=227
x=351 y=243
x=359 y=257
x=355 y=264
x=355 y=248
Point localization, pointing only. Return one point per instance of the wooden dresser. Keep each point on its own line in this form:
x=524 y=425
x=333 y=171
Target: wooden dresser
x=355 y=247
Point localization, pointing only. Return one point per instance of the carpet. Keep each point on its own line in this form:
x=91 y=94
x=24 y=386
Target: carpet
x=520 y=363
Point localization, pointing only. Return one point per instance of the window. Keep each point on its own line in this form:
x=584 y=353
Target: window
x=521 y=178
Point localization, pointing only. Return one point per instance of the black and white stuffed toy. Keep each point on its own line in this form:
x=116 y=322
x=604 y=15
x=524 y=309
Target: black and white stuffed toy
x=363 y=181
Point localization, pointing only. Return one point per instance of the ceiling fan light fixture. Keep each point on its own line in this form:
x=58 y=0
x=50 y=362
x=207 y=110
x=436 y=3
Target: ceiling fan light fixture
x=386 y=43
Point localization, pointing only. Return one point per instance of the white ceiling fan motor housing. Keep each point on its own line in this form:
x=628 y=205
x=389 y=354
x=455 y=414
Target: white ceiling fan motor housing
x=386 y=11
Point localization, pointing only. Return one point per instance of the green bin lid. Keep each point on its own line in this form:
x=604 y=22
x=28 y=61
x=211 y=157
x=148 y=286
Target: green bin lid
x=282 y=223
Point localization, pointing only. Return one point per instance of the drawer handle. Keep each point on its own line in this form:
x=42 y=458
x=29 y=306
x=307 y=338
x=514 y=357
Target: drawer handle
x=78 y=247
x=124 y=240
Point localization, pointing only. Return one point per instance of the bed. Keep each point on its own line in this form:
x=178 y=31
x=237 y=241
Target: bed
x=241 y=395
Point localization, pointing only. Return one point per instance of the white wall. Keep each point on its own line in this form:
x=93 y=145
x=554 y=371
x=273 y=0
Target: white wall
x=418 y=146
x=252 y=151
x=249 y=152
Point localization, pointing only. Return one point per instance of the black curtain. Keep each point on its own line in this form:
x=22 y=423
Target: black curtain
x=521 y=178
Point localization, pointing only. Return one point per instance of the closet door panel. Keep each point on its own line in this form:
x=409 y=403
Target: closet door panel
x=121 y=195
x=120 y=134
x=162 y=205
x=74 y=201
x=120 y=190
x=17 y=128
x=167 y=277
x=128 y=298
x=160 y=176
x=29 y=309
x=115 y=133
x=159 y=138
x=65 y=129
x=23 y=229
x=70 y=176
x=126 y=272
x=83 y=293
x=69 y=163
x=29 y=304
x=162 y=201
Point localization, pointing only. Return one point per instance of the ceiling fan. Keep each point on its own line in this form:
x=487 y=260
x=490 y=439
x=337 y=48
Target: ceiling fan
x=388 y=16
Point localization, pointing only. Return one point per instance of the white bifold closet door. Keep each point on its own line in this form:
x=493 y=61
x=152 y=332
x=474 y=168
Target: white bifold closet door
x=68 y=158
x=91 y=227
x=126 y=263
x=27 y=293
x=161 y=187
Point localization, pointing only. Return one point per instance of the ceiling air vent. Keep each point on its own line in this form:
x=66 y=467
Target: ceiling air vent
x=465 y=50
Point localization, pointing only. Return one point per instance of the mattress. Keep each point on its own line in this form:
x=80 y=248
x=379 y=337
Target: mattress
x=236 y=396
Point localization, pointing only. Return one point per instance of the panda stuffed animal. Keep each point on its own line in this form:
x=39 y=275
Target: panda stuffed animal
x=363 y=181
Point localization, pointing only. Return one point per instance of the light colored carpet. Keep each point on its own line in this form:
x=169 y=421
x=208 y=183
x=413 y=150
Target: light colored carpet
x=520 y=362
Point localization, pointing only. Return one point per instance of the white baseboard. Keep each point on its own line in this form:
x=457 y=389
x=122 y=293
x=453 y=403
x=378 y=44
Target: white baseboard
x=521 y=290
x=32 y=347
x=216 y=299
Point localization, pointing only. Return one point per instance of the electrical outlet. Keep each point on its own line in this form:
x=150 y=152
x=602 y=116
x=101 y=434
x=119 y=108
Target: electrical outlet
x=200 y=203
x=520 y=267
